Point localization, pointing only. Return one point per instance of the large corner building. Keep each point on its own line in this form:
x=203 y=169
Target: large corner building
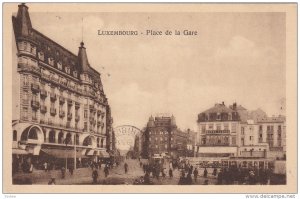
x=59 y=104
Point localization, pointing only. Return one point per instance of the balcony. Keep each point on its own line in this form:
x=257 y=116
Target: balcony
x=92 y=107
x=43 y=109
x=61 y=113
x=35 y=104
x=77 y=105
x=53 y=96
x=256 y=154
x=70 y=116
x=35 y=88
x=43 y=93
x=77 y=118
x=53 y=111
x=61 y=100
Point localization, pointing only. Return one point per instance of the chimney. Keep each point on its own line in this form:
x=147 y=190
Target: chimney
x=223 y=103
x=234 y=106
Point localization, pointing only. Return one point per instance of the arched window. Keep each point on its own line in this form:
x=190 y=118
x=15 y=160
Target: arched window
x=87 y=141
x=14 y=135
x=52 y=136
x=69 y=139
x=33 y=134
x=60 y=137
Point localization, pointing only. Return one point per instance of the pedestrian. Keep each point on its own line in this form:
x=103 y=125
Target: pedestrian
x=45 y=166
x=126 y=167
x=71 y=169
x=189 y=179
x=171 y=173
x=220 y=177
x=214 y=172
x=95 y=176
x=141 y=164
x=63 y=172
x=163 y=172
x=182 y=180
x=52 y=181
x=205 y=182
x=195 y=174
x=31 y=168
x=205 y=173
x=106 y=171
x=147 y=178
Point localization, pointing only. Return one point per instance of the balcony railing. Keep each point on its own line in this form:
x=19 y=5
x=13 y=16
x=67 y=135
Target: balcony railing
x=257 y=154
x=43 y=93
x=53 y=111
x=70 y=116
x=61 y=100
x=61 y=113
x=53 y=96
x=43 y=109
x=70 y=102
x=35 y=104
x=35 y=87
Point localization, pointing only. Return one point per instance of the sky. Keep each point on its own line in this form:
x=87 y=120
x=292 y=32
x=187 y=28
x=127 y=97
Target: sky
x=235 y=57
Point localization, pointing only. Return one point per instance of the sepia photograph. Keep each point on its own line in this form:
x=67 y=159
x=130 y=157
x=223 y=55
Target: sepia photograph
x=112 y=95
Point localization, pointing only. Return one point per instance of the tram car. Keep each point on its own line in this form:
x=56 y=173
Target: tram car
x=264 y=163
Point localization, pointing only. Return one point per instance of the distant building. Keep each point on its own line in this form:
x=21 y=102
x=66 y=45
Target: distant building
x=236 y=132
x=162 y=137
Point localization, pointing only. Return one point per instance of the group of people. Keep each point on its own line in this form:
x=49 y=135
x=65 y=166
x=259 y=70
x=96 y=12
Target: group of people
x=107 y=167
x=235 y=175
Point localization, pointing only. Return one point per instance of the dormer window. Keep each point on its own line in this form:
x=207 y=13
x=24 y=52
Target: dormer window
x=67 y=69
x=48 y=48
x=41 y=56
x=218 y=116
x=32 y=49
x=75 y=73
x=57 y=53
x=59 y=65
x=51 y=61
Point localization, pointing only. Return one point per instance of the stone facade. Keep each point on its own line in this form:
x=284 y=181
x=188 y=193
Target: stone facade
x=59 y=99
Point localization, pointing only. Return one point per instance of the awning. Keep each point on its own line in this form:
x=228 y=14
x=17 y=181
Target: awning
x=104 y=154
x=90 y=153
x=19 y=151
x=63 y=153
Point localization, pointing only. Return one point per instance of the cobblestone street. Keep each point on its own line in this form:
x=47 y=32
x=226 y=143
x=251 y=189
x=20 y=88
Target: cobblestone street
x=116 y=176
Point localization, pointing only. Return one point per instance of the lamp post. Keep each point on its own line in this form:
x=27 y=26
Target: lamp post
x=75 y=143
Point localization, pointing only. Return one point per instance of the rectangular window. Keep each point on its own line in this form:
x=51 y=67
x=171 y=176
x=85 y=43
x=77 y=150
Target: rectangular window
x=233 y=128
x=242 y=131
x=218 y=127
x=226 y=127
x=85 y=126
x=85 y=113
x=25 y=113
x=211 y=126
x=25 y=80
x=233 y=140
x=34 y=115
